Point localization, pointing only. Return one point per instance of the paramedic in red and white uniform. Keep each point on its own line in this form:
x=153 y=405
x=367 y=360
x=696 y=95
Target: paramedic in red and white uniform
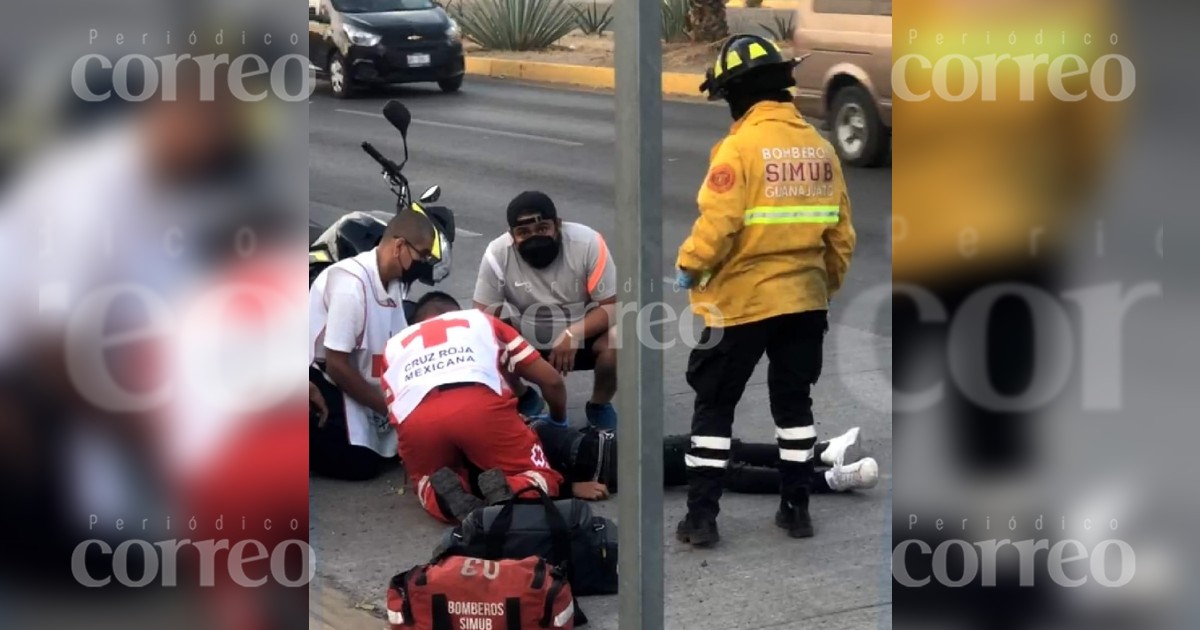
x=448 y=396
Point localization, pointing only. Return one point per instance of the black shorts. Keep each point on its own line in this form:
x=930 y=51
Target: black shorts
x=585 y=357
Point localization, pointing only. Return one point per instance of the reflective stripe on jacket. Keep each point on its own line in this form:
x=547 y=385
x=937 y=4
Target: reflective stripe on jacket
x=774 y=229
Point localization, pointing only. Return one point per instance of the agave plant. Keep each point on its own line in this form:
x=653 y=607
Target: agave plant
x=515 y=24
x=782 y=30
x=674 y=20
x=591 y=20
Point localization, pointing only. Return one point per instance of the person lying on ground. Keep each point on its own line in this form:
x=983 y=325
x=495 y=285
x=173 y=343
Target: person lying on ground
x=446 y=380
x=587 y=459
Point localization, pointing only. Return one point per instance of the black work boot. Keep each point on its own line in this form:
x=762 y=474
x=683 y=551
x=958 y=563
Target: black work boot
x=494 y=486
x=698 y=531
x=793 y=516
x=451 y=496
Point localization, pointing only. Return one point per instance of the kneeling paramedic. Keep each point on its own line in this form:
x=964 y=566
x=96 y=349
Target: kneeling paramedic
x=354 y=308
x=445 y=379
x=772 y=243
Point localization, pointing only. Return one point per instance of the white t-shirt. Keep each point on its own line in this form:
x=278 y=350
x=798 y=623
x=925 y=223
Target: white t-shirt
x=460 y=347
x=349 y=310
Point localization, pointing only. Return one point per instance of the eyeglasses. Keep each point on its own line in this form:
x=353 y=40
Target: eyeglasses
x=421 y=256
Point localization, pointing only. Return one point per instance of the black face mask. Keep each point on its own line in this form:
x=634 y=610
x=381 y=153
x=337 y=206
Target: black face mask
x=414 y=272
x=539 y=251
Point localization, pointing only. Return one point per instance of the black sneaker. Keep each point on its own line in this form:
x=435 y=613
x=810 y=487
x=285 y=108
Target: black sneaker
x=699 y=532
x=494 y=486
x=795 y=520
x=451 y=495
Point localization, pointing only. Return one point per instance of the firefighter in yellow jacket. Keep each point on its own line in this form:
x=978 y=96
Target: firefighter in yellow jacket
x=773 y=242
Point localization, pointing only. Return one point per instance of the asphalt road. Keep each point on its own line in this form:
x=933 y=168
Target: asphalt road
x=494 y=140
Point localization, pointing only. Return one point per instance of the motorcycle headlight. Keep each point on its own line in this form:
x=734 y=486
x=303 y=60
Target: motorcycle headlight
x=454 y=33
x=358 y=36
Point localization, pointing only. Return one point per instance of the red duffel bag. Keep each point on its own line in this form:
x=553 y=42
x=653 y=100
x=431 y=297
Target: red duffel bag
x=460 y=593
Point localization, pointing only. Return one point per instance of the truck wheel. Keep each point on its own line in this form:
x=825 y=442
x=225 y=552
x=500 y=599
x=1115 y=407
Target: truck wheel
x=858 y=135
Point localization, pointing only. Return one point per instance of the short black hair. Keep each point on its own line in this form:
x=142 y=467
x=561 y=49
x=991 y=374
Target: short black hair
x=433 y=304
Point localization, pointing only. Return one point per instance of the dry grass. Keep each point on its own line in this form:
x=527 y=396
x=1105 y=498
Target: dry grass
x=588 y=50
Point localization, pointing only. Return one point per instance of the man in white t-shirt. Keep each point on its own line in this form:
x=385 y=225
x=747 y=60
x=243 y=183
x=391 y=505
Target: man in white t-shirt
x=447 y=386
x=355 y=306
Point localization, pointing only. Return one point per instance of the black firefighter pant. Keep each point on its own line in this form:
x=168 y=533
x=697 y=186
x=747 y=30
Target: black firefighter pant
x=718 y=374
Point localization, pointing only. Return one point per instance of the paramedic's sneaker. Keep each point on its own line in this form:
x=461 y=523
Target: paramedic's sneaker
x=698 y=531
x=530 y=404
x=602 y=416
x=494 y=486
x=842 y=448
x=861 y=475
x=451 y=495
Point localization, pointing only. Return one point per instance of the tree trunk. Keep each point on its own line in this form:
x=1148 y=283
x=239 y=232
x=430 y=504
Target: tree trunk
x=706 y=20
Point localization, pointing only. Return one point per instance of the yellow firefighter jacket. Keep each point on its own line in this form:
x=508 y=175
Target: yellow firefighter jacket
x=774 y=229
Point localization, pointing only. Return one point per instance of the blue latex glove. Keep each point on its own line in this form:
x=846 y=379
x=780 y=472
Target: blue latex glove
x=684 y=280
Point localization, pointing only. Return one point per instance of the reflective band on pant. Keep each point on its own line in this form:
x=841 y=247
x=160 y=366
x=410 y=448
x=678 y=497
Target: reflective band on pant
x=799 y=433
x=789 y=455
x=772 y=215
x=421 y=486
x=537 y=478
x=700 y=462
x=718 y=443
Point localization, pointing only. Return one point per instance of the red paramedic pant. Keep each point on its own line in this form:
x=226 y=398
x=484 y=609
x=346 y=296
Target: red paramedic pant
x=474 y=422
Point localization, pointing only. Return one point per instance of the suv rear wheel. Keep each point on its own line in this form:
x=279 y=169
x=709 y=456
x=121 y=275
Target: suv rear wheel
x=858 y=134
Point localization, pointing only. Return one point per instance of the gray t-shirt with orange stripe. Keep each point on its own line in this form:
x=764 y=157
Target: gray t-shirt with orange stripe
x=542 y=302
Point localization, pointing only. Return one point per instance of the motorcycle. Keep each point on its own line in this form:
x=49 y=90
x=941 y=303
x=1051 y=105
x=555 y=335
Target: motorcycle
x=359 y=231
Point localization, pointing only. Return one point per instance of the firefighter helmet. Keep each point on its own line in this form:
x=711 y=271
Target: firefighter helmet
x=740 y=55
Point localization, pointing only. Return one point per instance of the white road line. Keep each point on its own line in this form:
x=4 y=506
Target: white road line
x=458 y=230
x=491 y=132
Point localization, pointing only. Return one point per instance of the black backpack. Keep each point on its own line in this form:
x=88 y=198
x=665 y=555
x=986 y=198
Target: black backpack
x=564 y=533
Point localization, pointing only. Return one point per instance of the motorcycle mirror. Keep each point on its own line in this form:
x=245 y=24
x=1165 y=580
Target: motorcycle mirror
x=431 y=195
x=396 y=113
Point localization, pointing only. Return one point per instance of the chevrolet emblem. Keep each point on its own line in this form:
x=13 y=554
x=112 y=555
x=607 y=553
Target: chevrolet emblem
x=414 y=38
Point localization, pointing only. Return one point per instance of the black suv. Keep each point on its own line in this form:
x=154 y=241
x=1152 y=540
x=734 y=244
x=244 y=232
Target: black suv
x=360 y=42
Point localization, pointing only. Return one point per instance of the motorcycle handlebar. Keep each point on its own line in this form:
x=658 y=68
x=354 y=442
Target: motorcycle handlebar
x=389 y=166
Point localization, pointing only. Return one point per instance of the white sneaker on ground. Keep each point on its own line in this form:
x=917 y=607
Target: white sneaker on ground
x=861 y=475
x=841 y=448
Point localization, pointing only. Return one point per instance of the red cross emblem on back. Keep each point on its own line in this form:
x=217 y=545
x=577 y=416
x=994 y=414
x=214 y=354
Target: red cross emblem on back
x=434 y=332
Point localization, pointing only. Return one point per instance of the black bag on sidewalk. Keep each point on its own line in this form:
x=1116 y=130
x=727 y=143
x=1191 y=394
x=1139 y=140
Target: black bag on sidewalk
x=519 y=529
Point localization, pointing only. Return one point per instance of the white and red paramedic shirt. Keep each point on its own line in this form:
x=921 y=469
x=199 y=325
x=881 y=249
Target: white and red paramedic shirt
x=458 y=347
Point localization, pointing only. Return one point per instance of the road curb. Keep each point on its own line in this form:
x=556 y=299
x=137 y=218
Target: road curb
x=673 y=83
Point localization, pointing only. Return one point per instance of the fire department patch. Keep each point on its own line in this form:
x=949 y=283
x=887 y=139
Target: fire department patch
x=721 y=178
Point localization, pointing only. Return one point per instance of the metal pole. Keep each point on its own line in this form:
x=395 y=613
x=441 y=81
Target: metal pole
x=637 y=25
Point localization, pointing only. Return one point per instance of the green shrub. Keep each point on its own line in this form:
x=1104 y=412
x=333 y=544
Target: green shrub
x=591 y=20
x=783 y=28
x=674 y=20
x=753 y=4
x=515 y=24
